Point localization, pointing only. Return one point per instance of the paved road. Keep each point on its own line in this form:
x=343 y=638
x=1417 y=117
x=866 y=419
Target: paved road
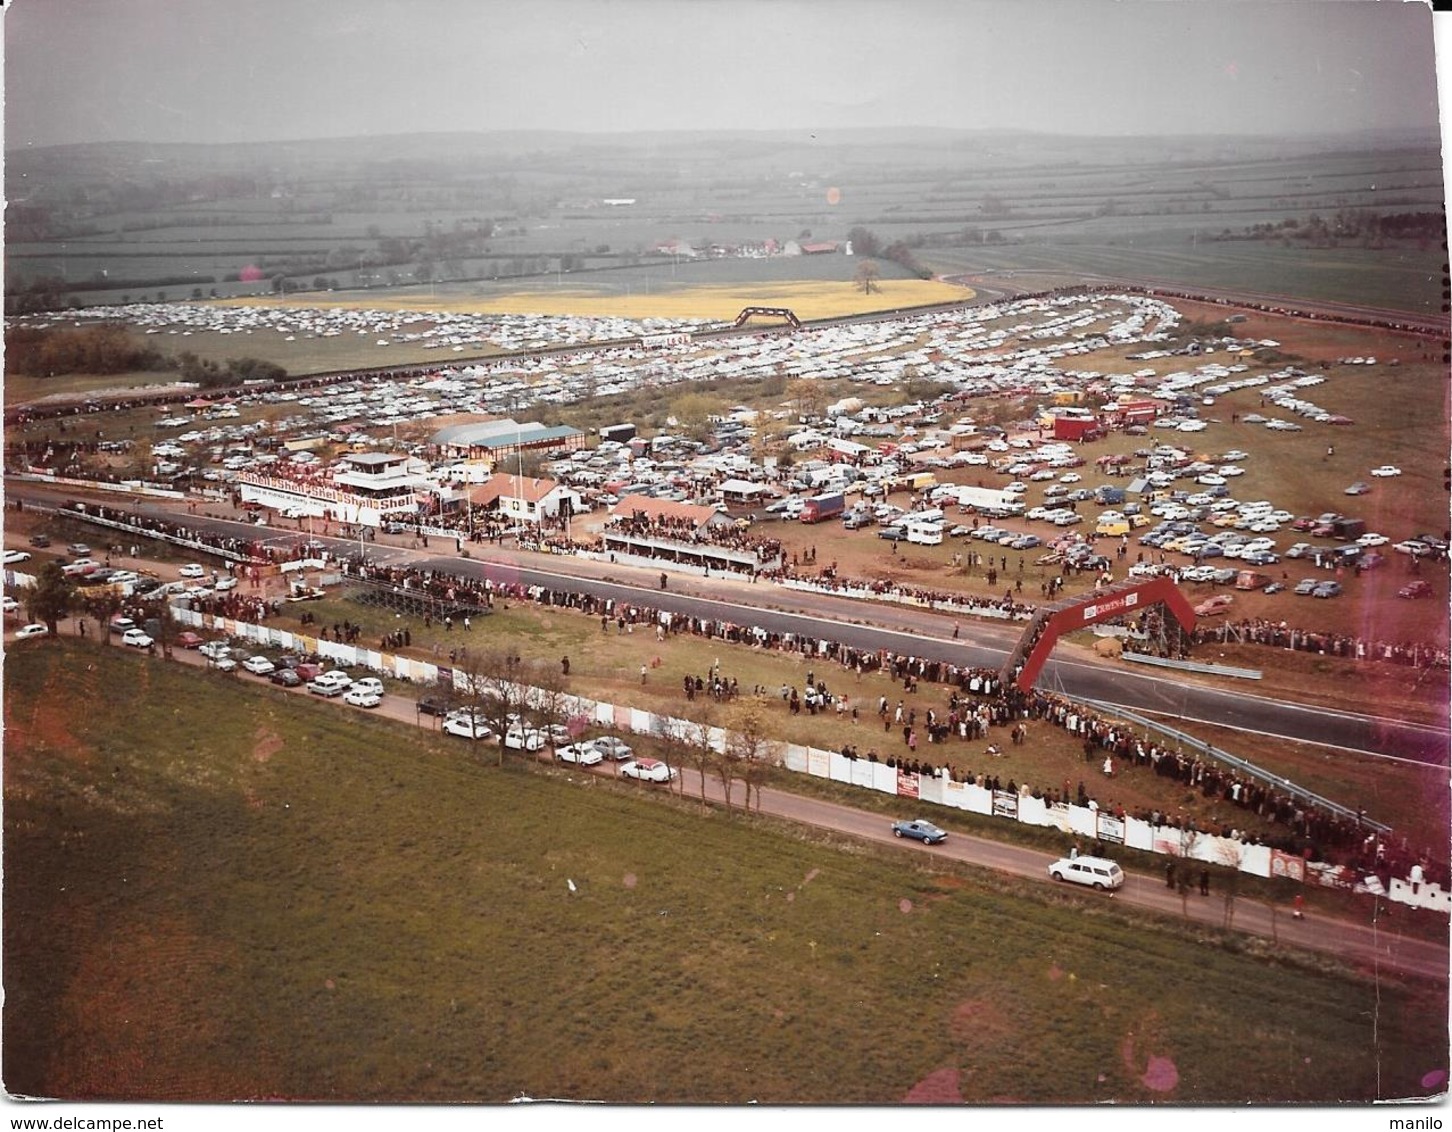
x=875 y=626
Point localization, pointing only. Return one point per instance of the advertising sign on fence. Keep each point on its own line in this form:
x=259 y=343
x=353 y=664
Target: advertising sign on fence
x=1109 y=828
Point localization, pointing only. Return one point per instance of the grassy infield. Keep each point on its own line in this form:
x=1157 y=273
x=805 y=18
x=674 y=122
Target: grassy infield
x=255 y=895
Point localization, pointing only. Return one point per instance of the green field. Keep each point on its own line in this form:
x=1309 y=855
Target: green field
x=234 y=893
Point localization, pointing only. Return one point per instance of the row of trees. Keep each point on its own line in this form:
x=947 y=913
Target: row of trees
x=509 y=693
x=1362 y=226
x=107 y=348
x=866 y=243
x=726 y=742
x=110 y=348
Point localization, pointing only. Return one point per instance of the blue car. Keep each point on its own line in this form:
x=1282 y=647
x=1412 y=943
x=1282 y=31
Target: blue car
x=924 y=831
x=1327 y=589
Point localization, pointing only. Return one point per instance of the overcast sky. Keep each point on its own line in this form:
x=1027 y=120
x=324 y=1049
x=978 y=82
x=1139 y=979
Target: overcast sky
x=257 y=70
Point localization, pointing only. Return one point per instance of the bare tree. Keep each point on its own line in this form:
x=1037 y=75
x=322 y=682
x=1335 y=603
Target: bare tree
x=867 y=276
x=1232 y=854
x=165 y=623
x=696 y=730
x=547 y=698
x=674 y=737
x=752 y=752
x=487 y=687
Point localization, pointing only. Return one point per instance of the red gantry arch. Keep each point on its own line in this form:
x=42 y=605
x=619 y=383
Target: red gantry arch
x=1053 y=621
x=768 y=312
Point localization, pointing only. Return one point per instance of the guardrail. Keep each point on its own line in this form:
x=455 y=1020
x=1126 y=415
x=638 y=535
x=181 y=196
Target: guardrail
x=1191 y=666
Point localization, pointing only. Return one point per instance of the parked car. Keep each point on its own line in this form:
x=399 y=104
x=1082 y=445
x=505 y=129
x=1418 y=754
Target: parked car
x=40 y=540
x=286 y=678
x=1213 y=606
x=1386 y=470
x=466 y=726
x=523 y=739
x=321 y=687
x=1360 y=487
x=647 y=770
x=215 y=650
x=1096 y=872
x=583 y=754
x=35 y=629
x=369 y=684
x=136 y=638
x=191 y=570
x=612 y=748
x=259 y=665
x=434 y=705
x=921 y=830
x=1415 y=589
x=79 y=550
x=14 y=556
x=1327 y=589
x=360 y=696
x=1305 y=586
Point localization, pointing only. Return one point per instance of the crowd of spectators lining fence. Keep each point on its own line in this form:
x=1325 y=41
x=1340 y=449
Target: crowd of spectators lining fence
x=1260 y=632
x=978 y=701
x=1308 y=829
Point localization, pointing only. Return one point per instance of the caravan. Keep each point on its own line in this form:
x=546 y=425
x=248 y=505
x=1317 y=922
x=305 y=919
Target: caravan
x=923 y=527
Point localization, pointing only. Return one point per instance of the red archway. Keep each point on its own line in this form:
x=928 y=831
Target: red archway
x=1051 y=622
x=768 y=312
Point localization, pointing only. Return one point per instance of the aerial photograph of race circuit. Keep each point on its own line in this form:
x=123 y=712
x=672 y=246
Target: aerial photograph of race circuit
x=616 y=555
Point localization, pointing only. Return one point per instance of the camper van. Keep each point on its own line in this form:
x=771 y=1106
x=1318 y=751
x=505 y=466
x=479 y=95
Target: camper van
x=925 y=531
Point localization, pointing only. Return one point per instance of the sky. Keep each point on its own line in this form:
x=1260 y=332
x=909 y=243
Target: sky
x=265 y=70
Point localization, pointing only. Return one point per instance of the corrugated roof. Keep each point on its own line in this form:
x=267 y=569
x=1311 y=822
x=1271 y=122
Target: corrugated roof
x=491 y=434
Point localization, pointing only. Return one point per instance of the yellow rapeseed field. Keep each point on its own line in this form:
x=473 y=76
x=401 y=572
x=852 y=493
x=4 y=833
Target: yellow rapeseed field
x=723 y=302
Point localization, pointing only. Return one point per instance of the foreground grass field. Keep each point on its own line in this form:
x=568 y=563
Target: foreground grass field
x=235 y=893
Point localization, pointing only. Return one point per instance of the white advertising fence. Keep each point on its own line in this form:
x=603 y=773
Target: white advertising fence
x=936 y=788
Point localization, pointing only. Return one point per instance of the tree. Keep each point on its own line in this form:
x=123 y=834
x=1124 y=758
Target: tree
x=807 y=394
x=867 y=276
x=693 y=412
x=695 y=729
x=672 y=733
x=864 y=242
x=51 y=598
x=752 y=751
x=161 y=610
x=495 y=690
x=548 y=700
x=485 y=688
x=104 y=605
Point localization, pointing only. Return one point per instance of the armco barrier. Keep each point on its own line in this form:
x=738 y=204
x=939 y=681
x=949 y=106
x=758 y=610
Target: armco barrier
x=936 y=788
